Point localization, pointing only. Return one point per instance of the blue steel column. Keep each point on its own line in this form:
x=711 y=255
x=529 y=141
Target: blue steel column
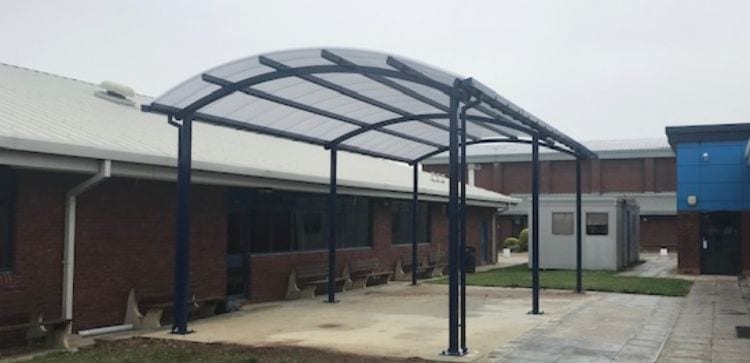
x=414 y=218
x=332 y=229
x=453 y=219
x=462 y=231
x=535 y=225
x=182 y=245
x=579 y=226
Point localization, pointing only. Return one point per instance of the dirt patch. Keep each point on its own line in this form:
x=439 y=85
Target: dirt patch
x=158 y=350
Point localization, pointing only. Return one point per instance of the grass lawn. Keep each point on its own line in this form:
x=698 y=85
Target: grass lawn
x=520 y=276
x=139 y=350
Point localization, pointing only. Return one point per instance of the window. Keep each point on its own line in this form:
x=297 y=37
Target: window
x=285 y=222
x=597 y=224
x=562 y=223
x=401 y=223
x=7 y=192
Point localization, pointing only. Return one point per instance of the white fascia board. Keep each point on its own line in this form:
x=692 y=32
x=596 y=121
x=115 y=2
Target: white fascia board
x=555 y=156
x=58 y=163
x=663 y=203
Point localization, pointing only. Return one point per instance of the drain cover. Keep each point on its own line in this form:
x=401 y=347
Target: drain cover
x=743 y=332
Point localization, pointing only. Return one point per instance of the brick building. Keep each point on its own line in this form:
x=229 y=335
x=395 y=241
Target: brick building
x=256 y=205
x=642 y=169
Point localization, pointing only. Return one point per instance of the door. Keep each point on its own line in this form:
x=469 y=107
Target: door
x=484 y=241
x=720 y=243
x=238 y=237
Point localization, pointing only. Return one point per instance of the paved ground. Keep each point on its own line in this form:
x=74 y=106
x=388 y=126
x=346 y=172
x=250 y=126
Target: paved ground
x=705 y=330
x=613 y=327
x=637 y=328
x=515 y=258
x=655 y=265
x=396 y=320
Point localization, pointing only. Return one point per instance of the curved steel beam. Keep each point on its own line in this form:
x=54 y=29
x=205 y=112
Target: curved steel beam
x=490 y=141
x=380 y=124
x=224 y=91
x=298 y=72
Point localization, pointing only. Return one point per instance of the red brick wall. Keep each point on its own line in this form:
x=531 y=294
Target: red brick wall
x=270 y=272
x=623 y=175
x=665 y=173
x=504 y=228
x=35 y=282
x=598 y=176
x=125 y=239
x=658 y=232
x=485 y=176
x=688 y=239
x=516 y=178
x=563 y=175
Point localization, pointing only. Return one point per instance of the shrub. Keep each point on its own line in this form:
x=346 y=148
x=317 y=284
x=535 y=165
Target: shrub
x=523 y=240
x=511 y=242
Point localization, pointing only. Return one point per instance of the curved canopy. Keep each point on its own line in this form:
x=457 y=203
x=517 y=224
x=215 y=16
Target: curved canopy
x=361 y=101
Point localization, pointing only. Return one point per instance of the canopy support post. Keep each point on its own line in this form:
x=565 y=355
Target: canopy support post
x=414 y=218
x=182 y=245
x=453 y=219
x=535 y=225
x=579 y=232
x=462 y=225
x=332 y=228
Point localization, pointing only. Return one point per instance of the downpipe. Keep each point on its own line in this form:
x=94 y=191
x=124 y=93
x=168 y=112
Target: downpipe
x=105 y=171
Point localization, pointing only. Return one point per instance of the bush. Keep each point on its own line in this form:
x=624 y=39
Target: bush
x=523 y=240
x=512 y=243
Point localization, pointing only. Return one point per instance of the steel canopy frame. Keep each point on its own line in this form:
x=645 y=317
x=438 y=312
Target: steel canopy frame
x=501 y=117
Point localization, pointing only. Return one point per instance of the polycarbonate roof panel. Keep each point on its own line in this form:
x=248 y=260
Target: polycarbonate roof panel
x=318 y=95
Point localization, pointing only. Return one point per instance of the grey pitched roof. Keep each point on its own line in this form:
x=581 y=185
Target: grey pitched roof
x=44 y=113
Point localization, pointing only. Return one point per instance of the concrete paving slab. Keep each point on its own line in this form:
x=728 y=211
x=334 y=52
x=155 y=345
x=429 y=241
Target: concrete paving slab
x=655 y=265
x=705 y=328
x=615 y=327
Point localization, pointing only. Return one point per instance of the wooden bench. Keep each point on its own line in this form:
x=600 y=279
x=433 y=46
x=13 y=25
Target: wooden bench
x=154 y=305
x=362 y=272
x=304 y=281
x=49 y=332
x=402 y=271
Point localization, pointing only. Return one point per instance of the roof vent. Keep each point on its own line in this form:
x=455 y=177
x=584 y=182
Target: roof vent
x=117 y=93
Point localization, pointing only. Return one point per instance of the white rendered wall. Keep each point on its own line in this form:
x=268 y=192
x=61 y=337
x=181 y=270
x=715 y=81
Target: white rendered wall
x=559 y=251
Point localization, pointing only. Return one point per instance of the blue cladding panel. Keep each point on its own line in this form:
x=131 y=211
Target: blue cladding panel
x=716 y=173
x=688 y=174
x=688 y=154
x=724 y=173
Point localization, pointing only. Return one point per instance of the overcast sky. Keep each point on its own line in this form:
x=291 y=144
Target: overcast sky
x=593 y=69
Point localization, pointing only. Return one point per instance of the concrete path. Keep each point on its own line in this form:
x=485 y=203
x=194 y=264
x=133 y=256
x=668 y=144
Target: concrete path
x=705 y=330
x=615 y=327
x=655 y=266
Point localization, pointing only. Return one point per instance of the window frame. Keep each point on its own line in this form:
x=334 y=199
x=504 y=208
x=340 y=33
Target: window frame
x=297 y=205
x=555 y=231
x=401 y=210
x=606 y=225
